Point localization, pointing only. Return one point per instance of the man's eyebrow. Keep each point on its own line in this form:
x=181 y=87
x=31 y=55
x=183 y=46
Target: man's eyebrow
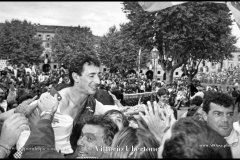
x=93 y=73
x=89 y=134
x=218 y=111
x=223 y=112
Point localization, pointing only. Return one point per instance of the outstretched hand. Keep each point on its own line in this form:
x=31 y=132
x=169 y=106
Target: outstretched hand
x=158 y=119
x=116 y=101
x=11 y=129
x=26 y=107
x=48 y=103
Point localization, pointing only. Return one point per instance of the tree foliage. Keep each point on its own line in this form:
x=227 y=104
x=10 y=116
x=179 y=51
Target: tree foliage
x=18 y=42
x=119 y=52
x=71 y=41
x=192 y=31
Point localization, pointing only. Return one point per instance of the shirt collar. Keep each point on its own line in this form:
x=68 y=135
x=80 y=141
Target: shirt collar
x=233 y=137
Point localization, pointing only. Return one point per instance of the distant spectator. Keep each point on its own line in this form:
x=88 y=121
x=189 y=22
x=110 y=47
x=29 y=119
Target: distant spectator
x=195 y=104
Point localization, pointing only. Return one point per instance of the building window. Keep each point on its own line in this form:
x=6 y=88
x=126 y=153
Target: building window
x=47 y=45
x=213 y=66
x=176 y=73
x=140 y=71
x=238 y=57
x=203 y=63
x=55 y=66
x=104 y=69
x=158 y=79
x=159 y=72
x=207 y=69
x=48 y=37
x=40 y=36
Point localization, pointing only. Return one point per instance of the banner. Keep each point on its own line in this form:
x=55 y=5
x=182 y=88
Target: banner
x=157 y=6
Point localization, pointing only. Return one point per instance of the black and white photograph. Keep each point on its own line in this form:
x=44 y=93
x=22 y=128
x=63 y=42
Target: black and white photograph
x=120 y=79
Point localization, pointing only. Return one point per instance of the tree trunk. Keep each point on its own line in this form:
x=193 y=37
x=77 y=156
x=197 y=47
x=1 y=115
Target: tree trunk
x=169 y=76
x=192 y=75
x=190 y=78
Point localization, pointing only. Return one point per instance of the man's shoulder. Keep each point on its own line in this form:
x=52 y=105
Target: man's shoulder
x=236 y=126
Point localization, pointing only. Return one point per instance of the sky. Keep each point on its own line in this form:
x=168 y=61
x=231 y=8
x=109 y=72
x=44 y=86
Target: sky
x=99 y=16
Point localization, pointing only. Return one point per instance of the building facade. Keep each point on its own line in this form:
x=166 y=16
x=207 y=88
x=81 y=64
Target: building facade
x=46 y=33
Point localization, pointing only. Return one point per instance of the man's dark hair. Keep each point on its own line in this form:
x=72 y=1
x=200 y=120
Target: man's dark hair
x=197 y=101
x=217 y=98
x=2 y=109
x=162 y=91
x=114 y=111
x=110 y=128
x=237 y=103
x=192 y=138
x=77 y=62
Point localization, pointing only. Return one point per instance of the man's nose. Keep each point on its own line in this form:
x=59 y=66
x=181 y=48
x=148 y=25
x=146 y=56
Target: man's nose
x=225 y=118
x=80 y=141
x=97 y=79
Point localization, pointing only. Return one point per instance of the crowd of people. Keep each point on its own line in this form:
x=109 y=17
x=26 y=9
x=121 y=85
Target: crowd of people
x=229 y=76
x=78 y=113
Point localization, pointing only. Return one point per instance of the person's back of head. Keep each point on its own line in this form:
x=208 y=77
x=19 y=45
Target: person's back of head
x=162 y=91
x=195 y=104
x=192 y=138
x=197 y=101
x=134 y=143
x=2 y=110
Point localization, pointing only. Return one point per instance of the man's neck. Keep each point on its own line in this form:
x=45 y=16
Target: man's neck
x=76 y=96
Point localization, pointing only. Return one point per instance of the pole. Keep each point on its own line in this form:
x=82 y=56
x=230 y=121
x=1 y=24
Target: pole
x=155 y=74
x=139 y=61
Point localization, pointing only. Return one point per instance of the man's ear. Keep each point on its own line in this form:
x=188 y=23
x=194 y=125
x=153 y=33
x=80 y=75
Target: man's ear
x=74 y=76
x=204 y=115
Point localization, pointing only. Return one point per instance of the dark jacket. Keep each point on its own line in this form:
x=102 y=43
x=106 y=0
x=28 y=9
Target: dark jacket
x=81 y=118
x=41 y=142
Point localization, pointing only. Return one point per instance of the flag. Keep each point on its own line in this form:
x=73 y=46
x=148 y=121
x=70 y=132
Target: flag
x=235 y=9
x=156 y=6
x=233 y=6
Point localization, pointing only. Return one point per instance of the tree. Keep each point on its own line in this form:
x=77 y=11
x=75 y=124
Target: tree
x=119 y=52
x=71 y=41
x=19 y=43
x=192 y=31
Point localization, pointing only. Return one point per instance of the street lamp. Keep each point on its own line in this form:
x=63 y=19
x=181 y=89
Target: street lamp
x=155 y=54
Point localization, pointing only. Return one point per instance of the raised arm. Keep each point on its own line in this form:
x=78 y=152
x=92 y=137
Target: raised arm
x=41 y=142
x=26 y=107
